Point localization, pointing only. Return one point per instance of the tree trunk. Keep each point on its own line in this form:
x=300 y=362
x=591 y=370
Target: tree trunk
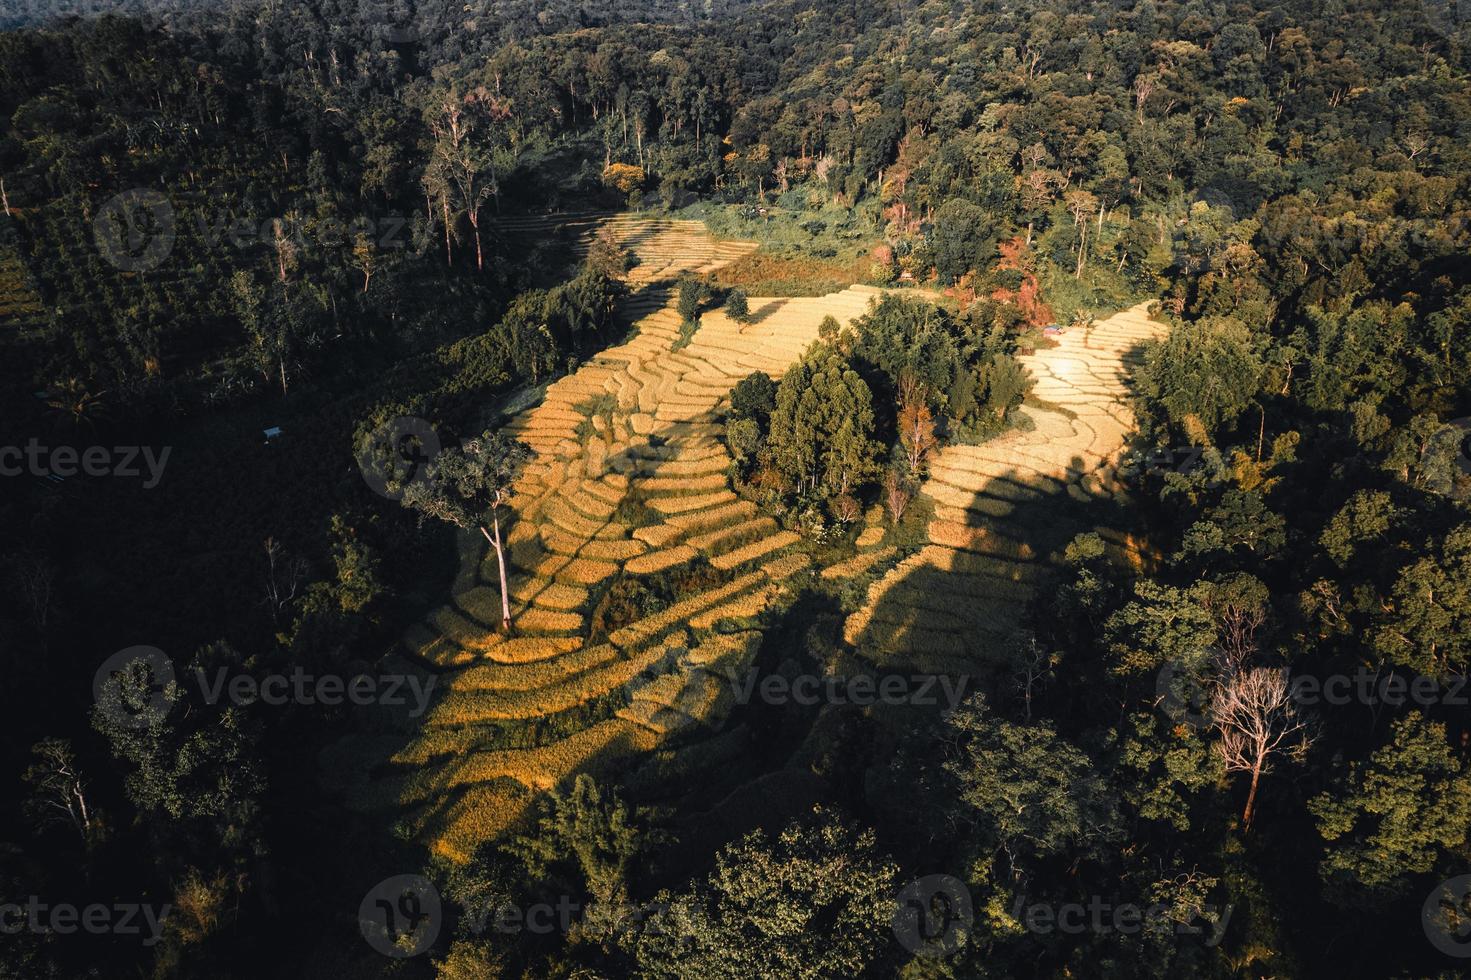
x=1250 y=811
x=449 y=258
x=500 y=558
x=1261 y=434
x=479 y=255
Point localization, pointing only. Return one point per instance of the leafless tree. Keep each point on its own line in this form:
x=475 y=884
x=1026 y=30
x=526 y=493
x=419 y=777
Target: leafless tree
x=846 y=509
x=58 y=794
x=1031 y=667
x=36 y=578
x=896 y=496
x=1257 y=720
x=284 y=578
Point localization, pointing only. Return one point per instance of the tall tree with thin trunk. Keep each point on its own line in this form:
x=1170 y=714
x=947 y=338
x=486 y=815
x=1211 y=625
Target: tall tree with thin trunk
x=468 y=486
x=1254 y=712
x=468 y=157
x=58 y=792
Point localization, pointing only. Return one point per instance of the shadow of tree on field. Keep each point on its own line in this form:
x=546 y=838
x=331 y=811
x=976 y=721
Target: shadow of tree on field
x=759 y=315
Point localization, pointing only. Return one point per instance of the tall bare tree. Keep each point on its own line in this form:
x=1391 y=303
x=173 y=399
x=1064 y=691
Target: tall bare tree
x=1254 y=713
x=284 y=578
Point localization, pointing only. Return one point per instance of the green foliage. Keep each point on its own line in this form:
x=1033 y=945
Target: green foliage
x=1203 y=376
x=963 y=239
x=736 y=306
x=1425 y=624
x=1031 y=792
x=754 y=398
x=1393 y=816
x=463 y=485
x=692 y=294
x=183 y=764
x=592 y=831
x=1166 y=773
x=823 y=423
x=1160 y=626
x=965 y=366
x=815 y=902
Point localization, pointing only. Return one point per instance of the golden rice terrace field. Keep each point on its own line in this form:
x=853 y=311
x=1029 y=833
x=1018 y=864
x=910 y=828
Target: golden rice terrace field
x=664 y=247
x=629 y=483
x=628 y=480
x=1004 y=508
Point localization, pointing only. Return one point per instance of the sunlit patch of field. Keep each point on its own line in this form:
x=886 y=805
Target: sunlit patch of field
x=628 y=478
x=1001 y=507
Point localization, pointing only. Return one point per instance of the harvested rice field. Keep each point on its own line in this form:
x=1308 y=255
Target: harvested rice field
x=1002 y=509
x=642 y=490
x=635 y=431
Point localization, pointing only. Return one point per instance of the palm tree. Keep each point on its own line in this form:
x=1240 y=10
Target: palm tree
x=72 y=400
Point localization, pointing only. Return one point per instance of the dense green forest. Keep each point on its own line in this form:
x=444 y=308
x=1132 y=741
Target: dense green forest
x=224 y=217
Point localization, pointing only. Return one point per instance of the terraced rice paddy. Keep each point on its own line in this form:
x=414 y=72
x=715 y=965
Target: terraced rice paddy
x=628 y=480
x=1002 y=509
x=664 y=247
x=653 y=440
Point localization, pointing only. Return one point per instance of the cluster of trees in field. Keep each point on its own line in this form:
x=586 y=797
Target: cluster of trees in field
x=1289 y=180
x=868 y=404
